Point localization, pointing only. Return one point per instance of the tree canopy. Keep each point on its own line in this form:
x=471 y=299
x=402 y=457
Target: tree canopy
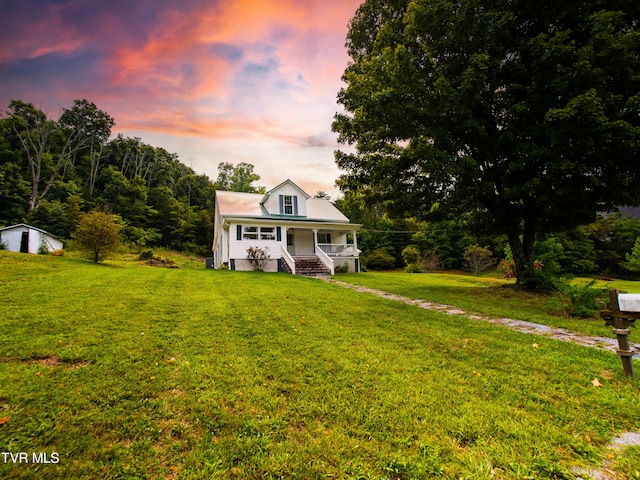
x=525 y=114
x=238 y=178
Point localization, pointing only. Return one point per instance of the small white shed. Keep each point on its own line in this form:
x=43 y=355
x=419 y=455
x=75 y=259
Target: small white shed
x=27 y=239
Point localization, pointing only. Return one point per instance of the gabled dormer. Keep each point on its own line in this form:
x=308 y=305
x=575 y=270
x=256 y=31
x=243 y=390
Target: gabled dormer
x=287 y=199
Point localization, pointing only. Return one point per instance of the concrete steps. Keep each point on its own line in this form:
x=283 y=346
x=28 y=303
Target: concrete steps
x=310 y=267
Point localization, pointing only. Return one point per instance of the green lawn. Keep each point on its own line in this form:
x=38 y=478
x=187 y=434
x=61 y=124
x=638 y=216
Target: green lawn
x=131 y=371
x=489 y=296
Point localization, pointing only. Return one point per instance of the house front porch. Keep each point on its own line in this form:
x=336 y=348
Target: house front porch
x=332 y=247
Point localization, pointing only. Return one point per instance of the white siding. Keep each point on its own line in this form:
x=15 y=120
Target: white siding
x=221 y=247
x=50 y=243
x=238 y=248
x=13 y=238
x=273 y=202
x=243 y=265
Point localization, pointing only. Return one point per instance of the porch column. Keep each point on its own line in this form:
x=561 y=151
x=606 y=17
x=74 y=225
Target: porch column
x=285 y=237
x=355 y=252
x=315 y=240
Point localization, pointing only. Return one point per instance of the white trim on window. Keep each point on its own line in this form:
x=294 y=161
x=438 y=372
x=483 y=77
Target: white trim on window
x=288 y=204
x=258 y=233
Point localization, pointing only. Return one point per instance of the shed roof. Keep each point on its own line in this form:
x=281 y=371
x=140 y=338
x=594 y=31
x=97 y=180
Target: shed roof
x=31 y=227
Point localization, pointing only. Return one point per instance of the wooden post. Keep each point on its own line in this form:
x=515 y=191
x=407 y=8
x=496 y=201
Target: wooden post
x=621 y=331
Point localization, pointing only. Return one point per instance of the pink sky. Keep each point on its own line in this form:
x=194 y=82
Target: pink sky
x=213 y=81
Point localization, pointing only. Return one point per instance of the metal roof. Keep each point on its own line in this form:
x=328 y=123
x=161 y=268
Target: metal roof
x=239 y=204
x=31 y=227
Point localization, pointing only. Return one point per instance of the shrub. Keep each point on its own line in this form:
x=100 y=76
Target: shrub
x=344 y=268
x=380 y=259
x=431 y=261
x=413 y=268
x=549 y=252
x=581 y=301
x=542 y=281
x=547 y=270
x=507 y=267
x=477 y=259
x=146 y=255
x=258 y=257
x=410 y=255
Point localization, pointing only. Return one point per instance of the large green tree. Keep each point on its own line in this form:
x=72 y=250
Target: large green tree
x=237 y=178
x=526 y=113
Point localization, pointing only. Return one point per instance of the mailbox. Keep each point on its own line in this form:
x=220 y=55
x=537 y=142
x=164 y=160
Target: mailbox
x=625 y=309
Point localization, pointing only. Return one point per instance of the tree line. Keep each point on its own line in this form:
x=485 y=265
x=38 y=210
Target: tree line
x=54 y=171
x=608 y=246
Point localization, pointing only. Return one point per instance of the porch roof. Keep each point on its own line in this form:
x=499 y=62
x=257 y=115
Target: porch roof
x=289 y=222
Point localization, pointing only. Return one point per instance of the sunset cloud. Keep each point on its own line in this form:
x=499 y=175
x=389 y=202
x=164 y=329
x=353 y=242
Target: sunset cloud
x=251 y=80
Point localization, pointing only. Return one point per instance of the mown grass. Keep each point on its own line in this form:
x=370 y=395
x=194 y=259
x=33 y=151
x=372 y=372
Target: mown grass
x=130 y=371
x=489 y=296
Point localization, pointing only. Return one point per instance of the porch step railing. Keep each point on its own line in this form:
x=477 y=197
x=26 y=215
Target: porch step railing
x=289 y=260
x=328 y=262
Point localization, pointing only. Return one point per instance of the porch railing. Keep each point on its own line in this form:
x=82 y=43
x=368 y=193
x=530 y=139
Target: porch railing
x=339 y=249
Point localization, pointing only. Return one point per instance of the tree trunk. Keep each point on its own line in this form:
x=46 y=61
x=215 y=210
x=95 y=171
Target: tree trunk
x=522 y=248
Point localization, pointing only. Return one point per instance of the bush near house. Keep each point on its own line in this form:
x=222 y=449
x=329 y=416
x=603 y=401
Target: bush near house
x=379 y=259
x=258 y=257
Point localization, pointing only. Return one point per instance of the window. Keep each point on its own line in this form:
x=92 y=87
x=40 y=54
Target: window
x=324 y=238
x=288 y=205
x=259 y=233
x=250 y=233
x=267 y=233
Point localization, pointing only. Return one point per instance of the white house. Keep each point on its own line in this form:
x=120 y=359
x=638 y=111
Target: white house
x=27 y=239
x=301 y=234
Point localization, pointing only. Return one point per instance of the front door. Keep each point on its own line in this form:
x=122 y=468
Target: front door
x=290 y=244
x=24 y=242
x=300 y=242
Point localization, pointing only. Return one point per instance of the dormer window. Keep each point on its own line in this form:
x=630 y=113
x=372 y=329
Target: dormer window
x=288 y=205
